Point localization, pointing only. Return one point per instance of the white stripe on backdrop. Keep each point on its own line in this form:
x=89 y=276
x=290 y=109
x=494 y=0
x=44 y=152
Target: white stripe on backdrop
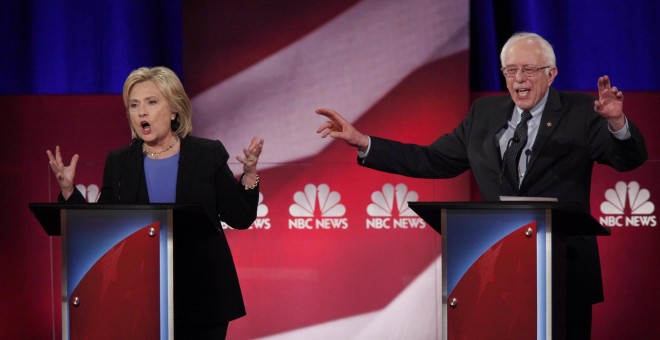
x=348 y=64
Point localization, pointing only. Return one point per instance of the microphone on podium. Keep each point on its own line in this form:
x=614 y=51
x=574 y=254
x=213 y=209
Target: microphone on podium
x=512 y=140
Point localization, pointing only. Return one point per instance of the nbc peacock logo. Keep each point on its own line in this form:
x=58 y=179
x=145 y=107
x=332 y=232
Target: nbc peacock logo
x=627 y=205
x=389 y=209
x=317 y=207
x=90 y=192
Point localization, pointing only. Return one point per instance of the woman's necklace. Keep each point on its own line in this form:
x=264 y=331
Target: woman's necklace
x=153 y=154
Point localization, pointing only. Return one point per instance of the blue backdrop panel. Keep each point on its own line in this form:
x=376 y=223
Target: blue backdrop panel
x=591 y=38
x=80 y=47
x=77 y=46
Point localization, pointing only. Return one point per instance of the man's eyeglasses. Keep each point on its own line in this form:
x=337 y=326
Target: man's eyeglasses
x=528 y=71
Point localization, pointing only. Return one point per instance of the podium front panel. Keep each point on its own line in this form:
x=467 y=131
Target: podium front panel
x=117 y=273
x=495 y=281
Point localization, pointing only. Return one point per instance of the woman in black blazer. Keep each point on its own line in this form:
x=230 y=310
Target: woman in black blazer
x=165 y=164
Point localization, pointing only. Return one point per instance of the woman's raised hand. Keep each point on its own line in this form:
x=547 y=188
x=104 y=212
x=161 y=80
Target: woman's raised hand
x=63 y=173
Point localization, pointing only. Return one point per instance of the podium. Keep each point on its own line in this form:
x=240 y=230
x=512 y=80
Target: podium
x=504 y=266
x=118 y=266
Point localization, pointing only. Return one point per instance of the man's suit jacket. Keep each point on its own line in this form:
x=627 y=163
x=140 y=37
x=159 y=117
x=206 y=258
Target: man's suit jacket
x=206 y=288
x=571 y=137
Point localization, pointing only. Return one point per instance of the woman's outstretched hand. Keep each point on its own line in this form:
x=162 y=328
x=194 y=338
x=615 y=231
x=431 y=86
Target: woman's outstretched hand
x=63 y=173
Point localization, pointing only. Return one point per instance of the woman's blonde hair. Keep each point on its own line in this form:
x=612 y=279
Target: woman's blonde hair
x=170 y=85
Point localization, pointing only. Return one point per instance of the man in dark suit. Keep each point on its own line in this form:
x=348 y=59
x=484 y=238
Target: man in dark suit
x=551 y=154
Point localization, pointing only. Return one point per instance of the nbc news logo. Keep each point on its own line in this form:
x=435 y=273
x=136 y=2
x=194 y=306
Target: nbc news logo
x=312 y=201
x=389 y=209
x=627 y=205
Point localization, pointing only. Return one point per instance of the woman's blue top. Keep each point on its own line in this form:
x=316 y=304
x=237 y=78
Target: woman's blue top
x=161 y=178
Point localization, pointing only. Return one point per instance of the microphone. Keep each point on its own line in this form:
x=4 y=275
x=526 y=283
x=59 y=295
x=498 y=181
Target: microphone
x=528 y=153
x=513 y=139
x=121 y=170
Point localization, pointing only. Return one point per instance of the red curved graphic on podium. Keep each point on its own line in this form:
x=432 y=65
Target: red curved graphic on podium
x=496 y=298
x=119 y=296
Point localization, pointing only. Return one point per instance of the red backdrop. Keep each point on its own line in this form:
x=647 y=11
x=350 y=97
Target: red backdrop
x=94 y=125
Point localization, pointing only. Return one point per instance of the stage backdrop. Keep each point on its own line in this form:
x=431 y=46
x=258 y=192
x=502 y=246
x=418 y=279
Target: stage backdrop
x=334 y=252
